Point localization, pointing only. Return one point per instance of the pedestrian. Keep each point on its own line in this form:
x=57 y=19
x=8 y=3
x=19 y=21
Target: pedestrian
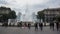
x=53 y=26
x=20 y=24
x=25 y=24
x=36 y=26
x=29 y=25
x=41 y=26
x=50 y=25
x=57 y=26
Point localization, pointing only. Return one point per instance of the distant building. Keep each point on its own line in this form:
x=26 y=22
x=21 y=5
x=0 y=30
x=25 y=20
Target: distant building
x=12 y=22
x=50 y=14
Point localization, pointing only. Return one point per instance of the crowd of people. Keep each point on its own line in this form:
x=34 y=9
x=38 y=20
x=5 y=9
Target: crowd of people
x=52 y=26
x=40 y=25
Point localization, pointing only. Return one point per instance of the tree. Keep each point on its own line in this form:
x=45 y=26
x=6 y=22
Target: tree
x=12 y=15
x=6 y=13
x=40 y=15
x=57 y=18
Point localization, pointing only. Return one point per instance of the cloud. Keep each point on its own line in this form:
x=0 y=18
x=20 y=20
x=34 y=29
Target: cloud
x=32 y=5
x=2 y=2
x=30 y=2
x=21 y=3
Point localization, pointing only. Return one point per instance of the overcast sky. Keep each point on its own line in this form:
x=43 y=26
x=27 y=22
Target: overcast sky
x=33 y=5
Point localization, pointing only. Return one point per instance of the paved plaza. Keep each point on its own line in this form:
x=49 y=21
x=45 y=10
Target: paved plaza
x=18 y=30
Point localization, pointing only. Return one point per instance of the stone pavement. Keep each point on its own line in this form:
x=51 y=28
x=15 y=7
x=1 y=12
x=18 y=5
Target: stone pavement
x=18 y=30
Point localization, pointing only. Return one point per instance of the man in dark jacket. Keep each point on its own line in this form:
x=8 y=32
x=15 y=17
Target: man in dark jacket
x=36 y=26
x=29 y=25
x=41 y=26
x=57 y=26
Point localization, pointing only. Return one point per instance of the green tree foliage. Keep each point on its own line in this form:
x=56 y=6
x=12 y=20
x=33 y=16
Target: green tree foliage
x=4 y=16
x=12 y=15
x=40 y=15
x=57 y=18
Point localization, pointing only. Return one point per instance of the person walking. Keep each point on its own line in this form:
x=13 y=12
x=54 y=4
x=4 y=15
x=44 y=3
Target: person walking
x=29 y=25
x=53 y=26
x=50 y=25
x=41 y=26
x=57 y=26
x=36 y=26
x=20 y=24
x=25 y=24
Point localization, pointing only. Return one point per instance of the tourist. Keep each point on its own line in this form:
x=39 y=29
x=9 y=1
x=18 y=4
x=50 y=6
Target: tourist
x=57 y=26
x=50 y=25
x=36 y=26
x=25 y=24
x=41 y=26
x=53 y=26
x=29 y=25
